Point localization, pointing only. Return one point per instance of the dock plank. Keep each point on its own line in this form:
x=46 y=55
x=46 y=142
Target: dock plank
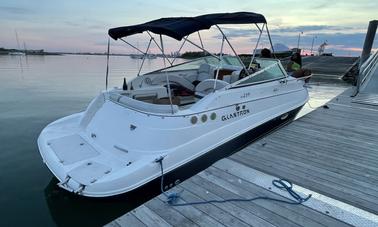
x=263 y=213
x=149 y=217
x=126 y=220
x=305 y=180
x=222 y=216
x=321 y=160
x=198 y=217
x=248 y=217
x=246 y=190
x=173 y=217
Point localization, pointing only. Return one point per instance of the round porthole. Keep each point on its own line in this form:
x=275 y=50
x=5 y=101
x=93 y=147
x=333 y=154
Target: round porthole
x=204 y=118
x=213 y=116
x=193 y=120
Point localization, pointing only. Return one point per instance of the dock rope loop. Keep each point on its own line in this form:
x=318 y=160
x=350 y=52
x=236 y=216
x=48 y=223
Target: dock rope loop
x=173 y=196
x=282 y=184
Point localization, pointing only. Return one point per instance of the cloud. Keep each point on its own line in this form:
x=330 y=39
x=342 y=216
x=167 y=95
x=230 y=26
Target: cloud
x=311 y=28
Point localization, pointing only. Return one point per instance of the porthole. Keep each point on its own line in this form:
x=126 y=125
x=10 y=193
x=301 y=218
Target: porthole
x=193 y=120
x=204 y=118
x=213 y=116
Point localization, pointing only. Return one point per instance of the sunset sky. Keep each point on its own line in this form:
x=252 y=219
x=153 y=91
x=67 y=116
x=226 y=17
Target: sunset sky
x=73 y=25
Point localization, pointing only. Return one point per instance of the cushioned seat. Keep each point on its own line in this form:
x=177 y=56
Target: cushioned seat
x=207 y=86
x=205 y=71
x=173 y=78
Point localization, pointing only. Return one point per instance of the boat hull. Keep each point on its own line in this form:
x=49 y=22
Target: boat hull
x=179 y=174
x=111 y=148
x=201 y=163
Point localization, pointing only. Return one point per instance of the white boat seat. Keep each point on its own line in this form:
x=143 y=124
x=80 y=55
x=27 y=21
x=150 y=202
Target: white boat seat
x=207 y=86
x=174 y=78
x=235 y=76
x=205 y=71
x=143 y=106
x=227 y=78
x=157 y=91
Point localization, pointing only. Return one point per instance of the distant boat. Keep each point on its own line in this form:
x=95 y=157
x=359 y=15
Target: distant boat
x=140 y=56
x=17 y=53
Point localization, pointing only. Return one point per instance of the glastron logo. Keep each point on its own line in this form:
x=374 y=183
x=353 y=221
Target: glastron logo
x=238 y=113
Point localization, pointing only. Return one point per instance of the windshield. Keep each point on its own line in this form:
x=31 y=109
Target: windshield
x=269 y=70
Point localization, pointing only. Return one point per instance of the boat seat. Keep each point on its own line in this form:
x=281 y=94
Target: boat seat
x=157 y=91
x=207 y=86
x=174 y=78
x=205 y=71
x=143 y=106
x=231 y=78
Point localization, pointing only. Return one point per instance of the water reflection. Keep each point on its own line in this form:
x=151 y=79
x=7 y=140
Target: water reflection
x=68 y=209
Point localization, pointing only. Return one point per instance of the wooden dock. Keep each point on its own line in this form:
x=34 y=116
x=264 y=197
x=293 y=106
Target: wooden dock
x=331 y=153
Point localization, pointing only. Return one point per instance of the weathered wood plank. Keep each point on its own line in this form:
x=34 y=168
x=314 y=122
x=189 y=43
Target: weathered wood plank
x=256 y=180
x=171 y=216
x=311 y=136
x=195 y=215
x=263 y=213
x=220 y=215
x=149 y=217
x=126 y=220
x=334 y=142
x=248 y=190
x=245 y=216
x=319 y=174
x=319 y=160
x=328 y=189
x=323 y=156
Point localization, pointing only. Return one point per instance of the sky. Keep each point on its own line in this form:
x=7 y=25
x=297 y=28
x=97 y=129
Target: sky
x=82 y=25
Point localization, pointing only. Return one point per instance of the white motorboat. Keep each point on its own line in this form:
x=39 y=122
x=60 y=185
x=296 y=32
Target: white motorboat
x=180 y=115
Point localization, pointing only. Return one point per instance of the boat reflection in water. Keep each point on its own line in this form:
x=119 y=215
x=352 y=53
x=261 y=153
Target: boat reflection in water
x=68 y=209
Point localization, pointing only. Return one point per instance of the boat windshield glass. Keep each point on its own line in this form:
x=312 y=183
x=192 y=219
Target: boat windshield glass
x=270 y=70
x=211 y=60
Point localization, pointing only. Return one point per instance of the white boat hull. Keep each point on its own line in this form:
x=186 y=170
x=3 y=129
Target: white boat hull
x=111 y=149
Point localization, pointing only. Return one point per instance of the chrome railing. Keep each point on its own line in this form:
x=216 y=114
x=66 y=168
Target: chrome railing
x=365 y=70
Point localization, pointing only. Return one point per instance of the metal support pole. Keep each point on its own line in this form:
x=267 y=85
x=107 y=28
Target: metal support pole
x=144 y=57
x=270 y=41
x=107 y=66
x=199 y=36
x=257 y=44
x=368 y=44
x=160 y=48
x=369 y=39
x=220 y=63
x=233 y=50
x=312 y=44
x=201 y=48
x=136 y=48
x=166 y=75
x=182 y=45
x=299 y=39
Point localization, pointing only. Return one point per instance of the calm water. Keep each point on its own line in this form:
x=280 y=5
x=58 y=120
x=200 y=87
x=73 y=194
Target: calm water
x=39 y=89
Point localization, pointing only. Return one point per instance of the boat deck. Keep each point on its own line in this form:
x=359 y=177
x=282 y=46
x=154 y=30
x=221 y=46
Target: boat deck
x=328 y=67
x=330 y=153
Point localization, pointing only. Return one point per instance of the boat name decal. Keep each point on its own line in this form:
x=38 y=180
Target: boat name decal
x=238 y=113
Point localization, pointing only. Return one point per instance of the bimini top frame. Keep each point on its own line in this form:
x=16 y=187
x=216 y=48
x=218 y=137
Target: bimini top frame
x=180 y=28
